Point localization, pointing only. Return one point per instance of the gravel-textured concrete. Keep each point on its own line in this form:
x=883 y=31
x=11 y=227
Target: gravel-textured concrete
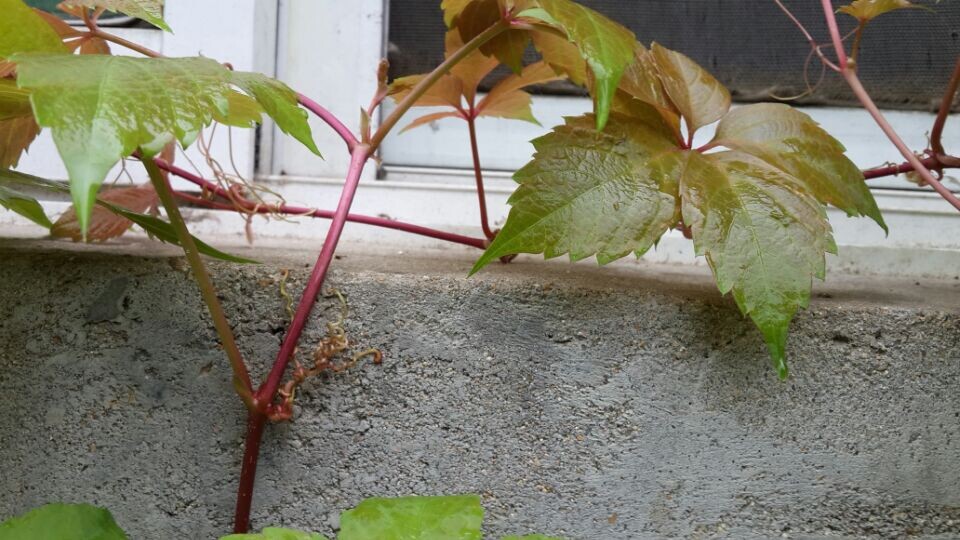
x=615 y=403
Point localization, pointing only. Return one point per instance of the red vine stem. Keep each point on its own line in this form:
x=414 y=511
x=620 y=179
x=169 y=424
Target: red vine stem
x=936 y=133
x=358 y=159
x=292 y=210
x=478 y=175
x=850 y=75
x=330 y=119
x=265 y=394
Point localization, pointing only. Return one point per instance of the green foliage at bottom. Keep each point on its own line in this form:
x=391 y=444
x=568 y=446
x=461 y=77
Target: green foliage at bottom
x=62 y=522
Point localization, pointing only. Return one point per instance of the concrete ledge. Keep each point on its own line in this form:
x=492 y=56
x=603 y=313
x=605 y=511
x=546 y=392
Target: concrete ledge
x=618 y=403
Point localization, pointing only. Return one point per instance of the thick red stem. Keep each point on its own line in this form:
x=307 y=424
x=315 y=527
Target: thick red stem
x=478 y=175
x=330 y=119
x=248 y=471
x=850 y=75
x=268 y=389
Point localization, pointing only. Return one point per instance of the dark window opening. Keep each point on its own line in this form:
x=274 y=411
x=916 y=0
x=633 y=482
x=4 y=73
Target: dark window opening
x=905 y=61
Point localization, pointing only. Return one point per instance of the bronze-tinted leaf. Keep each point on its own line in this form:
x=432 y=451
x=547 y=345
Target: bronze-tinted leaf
x=16 y=135
x=472 y=69
x=700 y=98
x=105 y=224
x=507 y=100
x=507 y=47
x=94 y=46
x=428 y=118
x=448 y=90
x=642 y=81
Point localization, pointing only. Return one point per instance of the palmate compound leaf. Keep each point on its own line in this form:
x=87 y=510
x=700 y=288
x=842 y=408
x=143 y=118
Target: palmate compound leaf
x=591 y=193
x=762 y=234
x=148 y=10
x=155 y=227
x=456 y=517
x=103 y=108
x=791 y=141
x=62 y=522
x=867 y=10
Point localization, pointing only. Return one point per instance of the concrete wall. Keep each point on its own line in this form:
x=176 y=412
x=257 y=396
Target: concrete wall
x=617 y=403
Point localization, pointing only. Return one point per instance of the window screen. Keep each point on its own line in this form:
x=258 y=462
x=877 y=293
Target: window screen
x=750 y=45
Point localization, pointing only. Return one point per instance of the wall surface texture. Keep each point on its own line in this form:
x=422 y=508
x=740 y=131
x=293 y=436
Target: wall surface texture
x=615 y=403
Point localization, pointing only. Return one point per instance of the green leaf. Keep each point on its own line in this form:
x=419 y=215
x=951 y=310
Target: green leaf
x=24 y=205
x=280 y=102
x=272 y=533
x=605 y=45
x=700 y=98
x=163 y=231
x=414 y=518
x=564 y=57
x=102 y=108
x=763 y=237
x=866 y=10
x=62 y=522
x=791 y=141
x=22 y=30
x=243 y=111
x=147 y=10
x=589 y=192
x=159 y=229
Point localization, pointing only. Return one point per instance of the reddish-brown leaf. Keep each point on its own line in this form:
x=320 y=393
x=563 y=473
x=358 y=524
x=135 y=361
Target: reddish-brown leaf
x=16 y=134
x=472 y=69
x=446 y=91
x=507 y=47
x=94 y=46
x=64 y=30
x=105 y=224
x=507 y=100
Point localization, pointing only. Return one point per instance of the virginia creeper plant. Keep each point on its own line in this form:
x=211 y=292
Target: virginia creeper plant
x=605 y=185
